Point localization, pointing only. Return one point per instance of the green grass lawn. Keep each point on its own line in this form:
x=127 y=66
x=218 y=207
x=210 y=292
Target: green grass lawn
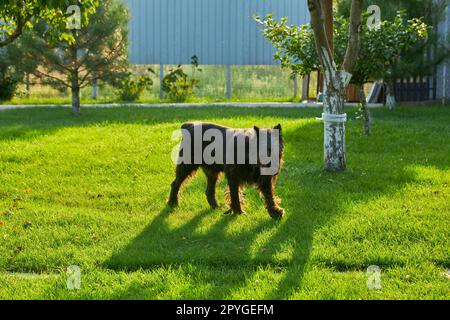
x=91 y=192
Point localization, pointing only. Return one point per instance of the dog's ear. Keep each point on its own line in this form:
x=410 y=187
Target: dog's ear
x=278 y=127
x=256 y=129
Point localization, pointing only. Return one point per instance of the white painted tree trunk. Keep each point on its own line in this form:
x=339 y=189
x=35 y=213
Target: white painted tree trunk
x=390 y=101
x=334 y=142
x=390 y=96
x=336 y=81
x=334 y=119
x=367 y=117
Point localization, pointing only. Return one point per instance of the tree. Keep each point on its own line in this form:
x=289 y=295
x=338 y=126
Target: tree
x=337 y=74
x=421 y=59
x=296 y=49
x=380 y=48
x=9 y=77
x=19 y=15
x=98 y=51
x=177 y=85
x=336 y=79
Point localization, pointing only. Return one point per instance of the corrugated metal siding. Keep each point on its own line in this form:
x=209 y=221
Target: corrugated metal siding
x=220 y=32
x=443 y=73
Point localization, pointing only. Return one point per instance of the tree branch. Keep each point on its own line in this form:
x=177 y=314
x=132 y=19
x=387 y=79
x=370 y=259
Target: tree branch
x=21 y=21
x=353 y=45
x=318 y=26
x=41 y=75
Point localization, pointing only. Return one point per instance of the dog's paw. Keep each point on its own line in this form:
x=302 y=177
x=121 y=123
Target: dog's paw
x=214 y=206
x=231 y=211
x=172 y=204
x=276 y=213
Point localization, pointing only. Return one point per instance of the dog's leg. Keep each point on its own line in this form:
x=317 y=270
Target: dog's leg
x=212 y=177
x=235 y=197
x=183 y=172
x=266 y=186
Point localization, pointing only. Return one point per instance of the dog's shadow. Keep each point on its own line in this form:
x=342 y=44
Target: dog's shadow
x=209 y=241
x=162 y=242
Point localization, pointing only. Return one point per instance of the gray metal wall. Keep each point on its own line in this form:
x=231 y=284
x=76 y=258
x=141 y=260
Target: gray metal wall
x=443 y=72
x=220 y=32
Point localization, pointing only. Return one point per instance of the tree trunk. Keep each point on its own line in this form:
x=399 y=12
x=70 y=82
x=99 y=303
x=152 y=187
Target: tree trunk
x=75 y=84
x=334 y=121
x=28 y=85
x=75 y=94
x=390 y=95
x=367 y=117
x=76 y=101
x=336 y=81
x=334 y=142
x=76 y=104
x=95 y=86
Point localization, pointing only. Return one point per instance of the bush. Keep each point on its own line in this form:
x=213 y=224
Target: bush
x=8 y=87
x=9 y=80
x=177 y=86
x=131 y=88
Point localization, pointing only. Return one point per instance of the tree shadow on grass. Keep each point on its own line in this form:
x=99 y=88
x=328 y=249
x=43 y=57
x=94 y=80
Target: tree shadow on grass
x=23 y=124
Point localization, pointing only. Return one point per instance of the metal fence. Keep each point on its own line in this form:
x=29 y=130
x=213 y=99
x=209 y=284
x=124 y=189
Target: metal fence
x=415 y=89
x=218 y=32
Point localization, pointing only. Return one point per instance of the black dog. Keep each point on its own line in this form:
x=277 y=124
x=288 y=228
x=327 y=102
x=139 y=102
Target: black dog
x=246 y=171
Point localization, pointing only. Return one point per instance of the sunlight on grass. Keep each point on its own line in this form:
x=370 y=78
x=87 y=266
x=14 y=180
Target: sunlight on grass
x=92 y=192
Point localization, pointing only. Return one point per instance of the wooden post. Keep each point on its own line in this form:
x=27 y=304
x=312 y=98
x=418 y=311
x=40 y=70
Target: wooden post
x=229 y=90
x=161 y=78
x=305 y=88
x=295 y=87
x=28 y=84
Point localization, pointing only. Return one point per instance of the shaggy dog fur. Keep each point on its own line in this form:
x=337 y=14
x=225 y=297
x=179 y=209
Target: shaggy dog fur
x=237 y=174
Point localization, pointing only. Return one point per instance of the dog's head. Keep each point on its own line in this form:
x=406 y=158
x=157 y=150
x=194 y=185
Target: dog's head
x=271 y=144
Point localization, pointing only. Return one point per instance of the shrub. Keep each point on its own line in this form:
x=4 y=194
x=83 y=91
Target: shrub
x=9 y=79
x=131 y=87
x=177 y=85
x=8 y=87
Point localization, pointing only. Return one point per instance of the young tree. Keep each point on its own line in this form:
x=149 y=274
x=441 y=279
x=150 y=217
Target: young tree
x=336 y=79
x=298 y=53
x=98 y=51
x=9 y=77
x=19 y=15
x=380 y=48
x=422 y=59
